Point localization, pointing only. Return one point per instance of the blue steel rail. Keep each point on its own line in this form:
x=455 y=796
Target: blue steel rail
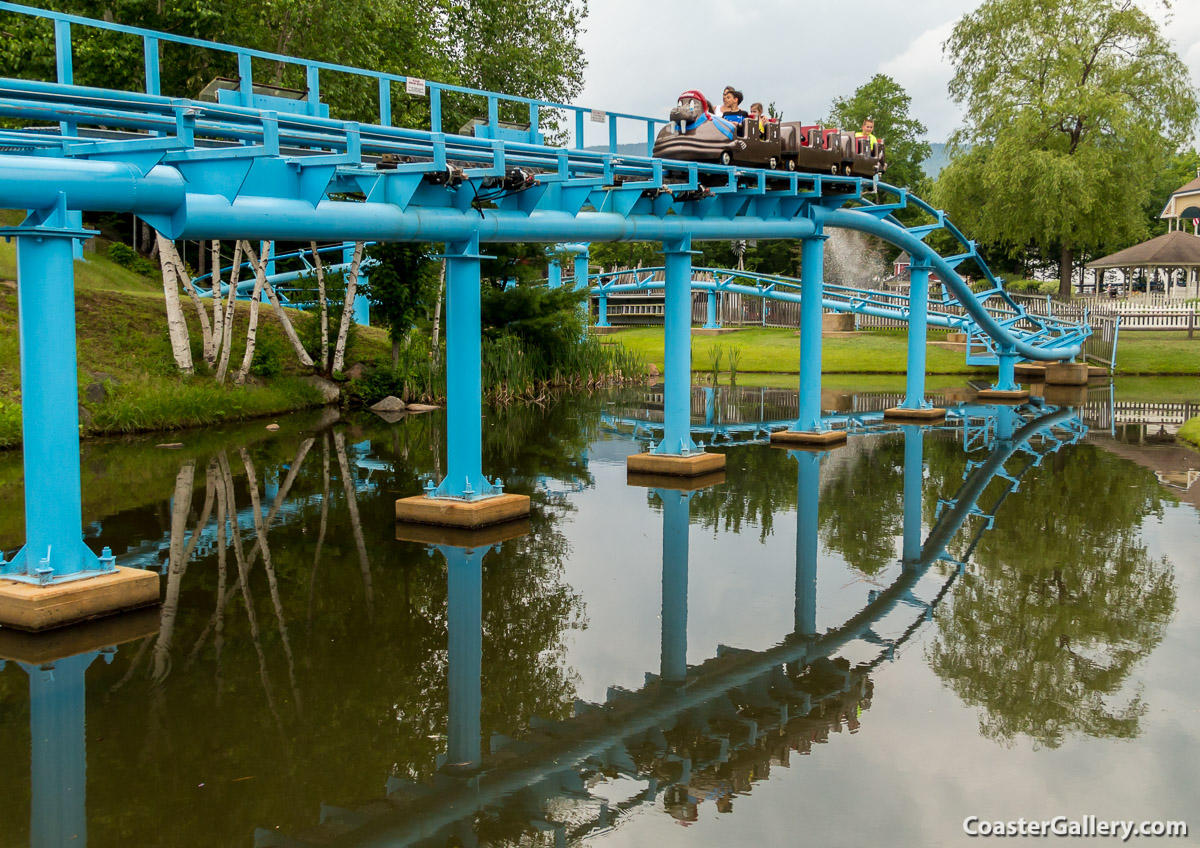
x=254 y=166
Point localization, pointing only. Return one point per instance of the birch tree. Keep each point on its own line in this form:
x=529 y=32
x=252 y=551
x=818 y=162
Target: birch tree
x=170 y=256
x=252 y=331
x=339 y=350
x=227 y=322
x=177 y=329
x=260 y=269
x=322 y=306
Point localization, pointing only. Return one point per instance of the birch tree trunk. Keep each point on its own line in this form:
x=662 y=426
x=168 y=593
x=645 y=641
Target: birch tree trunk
x=181 y=345
x=260 y=270
x=181 y=505
x=252 y=330
x=339 y=350
x=171 y=254
x=347 y=473
x=434 y=350
x=230 y=302
x=218 y=306
x=322 y=307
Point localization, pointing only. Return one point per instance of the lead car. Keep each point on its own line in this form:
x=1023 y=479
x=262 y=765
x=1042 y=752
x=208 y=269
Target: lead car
x=696 y=134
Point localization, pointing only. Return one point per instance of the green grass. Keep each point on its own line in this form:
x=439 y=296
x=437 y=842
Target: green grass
x=777 y=351
x=1162 y=354
x=1190 y=431
x=1157 y=389
x=121 y=337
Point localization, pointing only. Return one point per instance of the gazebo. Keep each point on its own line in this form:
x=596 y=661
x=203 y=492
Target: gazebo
x=1177 y=252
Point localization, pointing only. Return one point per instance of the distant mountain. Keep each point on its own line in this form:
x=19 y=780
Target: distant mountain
x=937 y=160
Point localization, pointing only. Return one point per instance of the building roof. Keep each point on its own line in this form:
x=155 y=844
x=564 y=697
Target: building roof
x=1184 y=199
x=1175 y=250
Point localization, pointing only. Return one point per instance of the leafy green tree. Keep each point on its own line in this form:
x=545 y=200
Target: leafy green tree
x=403 y=285
x=548 y=322
x=886 y=101
x=1180 y=170
x=1072 y=108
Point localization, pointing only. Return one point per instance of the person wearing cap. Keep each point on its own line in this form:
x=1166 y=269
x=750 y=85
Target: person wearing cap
x=731 y=105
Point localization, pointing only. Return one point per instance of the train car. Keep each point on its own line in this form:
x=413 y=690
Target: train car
x=695 y=134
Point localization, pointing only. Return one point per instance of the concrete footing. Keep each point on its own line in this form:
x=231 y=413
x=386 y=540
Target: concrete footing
x=60 y=643
x=1035 y=370
x=713 y=331
x=1066 y=374
x=1000 y=396
x=692 y=465
x=604 y=331
x=900 y=413
x=1059 y=395
x=837 y=322
x=450 y=512
x=675 y=483
x=26 y=606
x=461 y=537
x=1097 y=371
x=810 y=438
x=956 y=338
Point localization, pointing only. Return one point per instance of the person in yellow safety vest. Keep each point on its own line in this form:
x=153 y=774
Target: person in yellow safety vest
x=868 y=132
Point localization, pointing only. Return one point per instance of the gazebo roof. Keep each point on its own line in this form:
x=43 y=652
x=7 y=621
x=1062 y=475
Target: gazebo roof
x=1175 y=250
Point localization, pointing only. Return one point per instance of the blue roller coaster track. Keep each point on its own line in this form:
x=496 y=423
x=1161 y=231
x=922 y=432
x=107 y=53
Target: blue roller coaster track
x=255 y=165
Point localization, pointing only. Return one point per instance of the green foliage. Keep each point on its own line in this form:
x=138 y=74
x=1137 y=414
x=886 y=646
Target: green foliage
x=520 y=47
x=269 y=353
x=523 y=264
x=1190 y=431
x=335 y=294
x=549 y=322
x=127 y=257
x=403 y=286
x=10 y=424
x=886 y=101
x=1072 y=109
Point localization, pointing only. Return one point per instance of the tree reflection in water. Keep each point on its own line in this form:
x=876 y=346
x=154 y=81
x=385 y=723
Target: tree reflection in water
x=1043 y=637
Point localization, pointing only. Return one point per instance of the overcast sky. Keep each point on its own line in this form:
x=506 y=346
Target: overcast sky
x=642 y=53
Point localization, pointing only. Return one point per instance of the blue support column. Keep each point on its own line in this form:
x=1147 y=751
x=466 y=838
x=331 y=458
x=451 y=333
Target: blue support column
x=1006 y=380
x=602 y=310
x=677 y=370
x=711 y=318
x=673 y=666
x=710 y=405
x=918 y=318
x=54 y=550
x=464 y=621
x=554 y=273
x=58 y=806
x=808 y=492
x=812 y=282
x=581 y=267
x=464 y=377
x=914 y=474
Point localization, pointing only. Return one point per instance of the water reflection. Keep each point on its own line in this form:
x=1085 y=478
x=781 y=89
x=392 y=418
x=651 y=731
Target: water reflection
x=305 y=657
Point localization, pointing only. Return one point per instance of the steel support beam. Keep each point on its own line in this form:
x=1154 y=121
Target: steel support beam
x=711 y=317
x=464 y=622
x=54 y=550
x=918 y=332
x=58 y=806
x=812 y=280
x=914 y=472
x=808 y=492
x=677 y=365
x=673 y=666
x=464 y=377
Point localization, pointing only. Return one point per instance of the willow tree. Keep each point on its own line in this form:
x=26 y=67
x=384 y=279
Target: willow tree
x=1072 y=108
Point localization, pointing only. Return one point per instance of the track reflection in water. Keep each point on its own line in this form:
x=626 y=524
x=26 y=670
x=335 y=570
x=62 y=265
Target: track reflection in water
x=692 y=734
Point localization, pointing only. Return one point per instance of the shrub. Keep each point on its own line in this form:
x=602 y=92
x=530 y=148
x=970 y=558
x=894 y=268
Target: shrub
x=127 y=257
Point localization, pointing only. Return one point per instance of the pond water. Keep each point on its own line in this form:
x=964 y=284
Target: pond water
x=996 y=617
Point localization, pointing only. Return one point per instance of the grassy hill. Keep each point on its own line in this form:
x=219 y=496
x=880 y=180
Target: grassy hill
x=125 y=357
